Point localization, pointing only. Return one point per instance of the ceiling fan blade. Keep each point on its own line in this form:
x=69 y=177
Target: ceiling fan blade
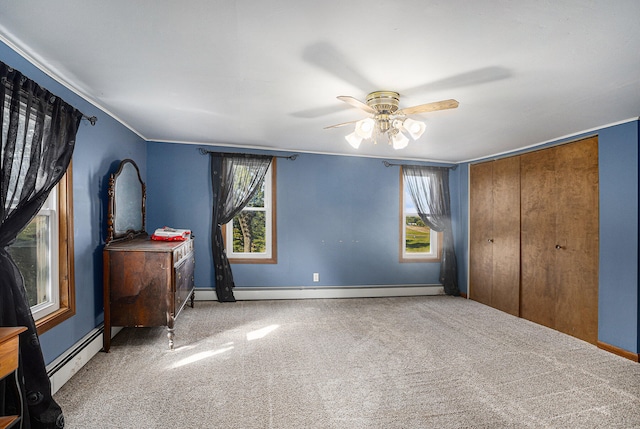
x=341 y=125
x=356 y=103
x=429 y=107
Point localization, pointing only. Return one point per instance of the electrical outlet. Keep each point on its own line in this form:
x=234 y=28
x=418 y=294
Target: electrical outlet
x=316 y=277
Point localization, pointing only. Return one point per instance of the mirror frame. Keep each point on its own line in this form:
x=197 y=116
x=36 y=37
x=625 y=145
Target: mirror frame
x=112 y=234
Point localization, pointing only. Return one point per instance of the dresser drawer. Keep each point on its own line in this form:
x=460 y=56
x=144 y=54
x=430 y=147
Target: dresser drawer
x=184 y=281
x=183 y=251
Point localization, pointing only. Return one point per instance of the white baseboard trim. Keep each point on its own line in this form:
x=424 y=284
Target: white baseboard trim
x=70 y=362
x=323 y=292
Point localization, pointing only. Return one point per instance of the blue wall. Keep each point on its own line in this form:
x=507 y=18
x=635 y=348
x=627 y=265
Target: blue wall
x=618 y=301
x=336 y=215
x=97 y=152
x=618 y=297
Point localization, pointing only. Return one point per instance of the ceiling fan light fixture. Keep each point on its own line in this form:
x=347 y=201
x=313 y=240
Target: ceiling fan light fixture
x=399 y=140
x=364 y=128
x=414 y=128
x=354 y=140
x=387 y=120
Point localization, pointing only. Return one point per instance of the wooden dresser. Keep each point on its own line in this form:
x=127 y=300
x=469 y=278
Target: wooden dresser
x=9 y=353
x=146 y=283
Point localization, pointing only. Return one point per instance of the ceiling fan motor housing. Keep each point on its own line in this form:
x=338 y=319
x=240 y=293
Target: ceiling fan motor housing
x=383 y=102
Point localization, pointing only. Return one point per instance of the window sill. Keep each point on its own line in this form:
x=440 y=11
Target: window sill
x=49 y=321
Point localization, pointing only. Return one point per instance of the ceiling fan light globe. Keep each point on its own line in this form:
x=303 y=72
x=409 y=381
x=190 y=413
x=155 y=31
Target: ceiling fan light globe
x=399 y=141
x=364 y=128
x=414 y=128
x=354 y=140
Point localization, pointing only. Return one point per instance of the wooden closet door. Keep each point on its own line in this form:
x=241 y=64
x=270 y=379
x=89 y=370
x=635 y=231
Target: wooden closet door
x=538 y=293
x=560 y=238
x=505 y=294
x=494 y=276
x=577 y=234
x=481 y=232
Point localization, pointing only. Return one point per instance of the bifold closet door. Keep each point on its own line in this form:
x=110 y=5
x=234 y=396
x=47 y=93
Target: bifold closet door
x=560 y=234
x=538 y=225
x=481 y=232
x=495 y=234
x=506 y=235
x=577 y=233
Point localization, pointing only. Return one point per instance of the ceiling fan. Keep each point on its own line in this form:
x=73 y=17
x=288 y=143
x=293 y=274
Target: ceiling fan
x=387 y=119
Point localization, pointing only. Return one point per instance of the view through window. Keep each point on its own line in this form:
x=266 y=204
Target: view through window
x=33 y=253
x=418 y=242
x=250 y=236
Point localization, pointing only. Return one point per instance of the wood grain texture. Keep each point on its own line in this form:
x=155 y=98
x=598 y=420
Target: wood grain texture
x=481 y=232
x=9 y=359
x=495 y=234
x=538 y=211
x=577 y=232
x=146 y=283
x=560 y=238
x=506 y=235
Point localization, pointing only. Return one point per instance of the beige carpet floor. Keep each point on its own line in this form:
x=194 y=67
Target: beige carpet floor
x=413 y=362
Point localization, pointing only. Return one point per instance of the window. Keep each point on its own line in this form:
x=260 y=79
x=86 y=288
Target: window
x=37 y=263
x=43 y=252
x=250 y=237
x=417 y=242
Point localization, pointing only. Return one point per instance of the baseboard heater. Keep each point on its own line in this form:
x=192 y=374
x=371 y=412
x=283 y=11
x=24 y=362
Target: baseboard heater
x=323 y=292
x=71 y=361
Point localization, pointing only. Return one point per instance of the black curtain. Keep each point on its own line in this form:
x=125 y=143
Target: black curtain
x=429 y=189
x=38 y=137
x=235 y=178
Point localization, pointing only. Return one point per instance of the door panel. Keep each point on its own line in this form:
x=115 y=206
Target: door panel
x=481 y=232
x=505 y=294
x=560 y=234
x=577 y=234
x=538 y=224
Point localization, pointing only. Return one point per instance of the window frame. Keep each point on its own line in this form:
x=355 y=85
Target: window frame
x=65 y=249
x=420 y=257
x=270 y=239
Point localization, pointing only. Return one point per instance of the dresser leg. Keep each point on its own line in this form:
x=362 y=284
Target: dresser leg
x=170 y=331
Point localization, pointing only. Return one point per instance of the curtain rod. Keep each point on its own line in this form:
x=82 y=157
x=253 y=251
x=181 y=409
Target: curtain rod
x=207 y=152
x=388 y=164
x=91 y=119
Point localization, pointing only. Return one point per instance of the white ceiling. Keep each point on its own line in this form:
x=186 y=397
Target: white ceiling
x=265 y=74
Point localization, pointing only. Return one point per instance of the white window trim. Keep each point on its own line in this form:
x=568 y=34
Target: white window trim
x=50 y=209
x=433 y=248
x=435 y=237
x=269 y=256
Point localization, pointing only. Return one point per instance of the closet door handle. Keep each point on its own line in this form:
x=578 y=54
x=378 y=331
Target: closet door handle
x=490 y=240
x=558 y=246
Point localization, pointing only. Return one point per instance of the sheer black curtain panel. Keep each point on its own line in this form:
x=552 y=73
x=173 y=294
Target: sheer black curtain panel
x=429 y=189
x=38 y=137
x=235 y=178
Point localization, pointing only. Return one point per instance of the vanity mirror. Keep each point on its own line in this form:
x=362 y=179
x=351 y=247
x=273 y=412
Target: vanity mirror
x=127 y=198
